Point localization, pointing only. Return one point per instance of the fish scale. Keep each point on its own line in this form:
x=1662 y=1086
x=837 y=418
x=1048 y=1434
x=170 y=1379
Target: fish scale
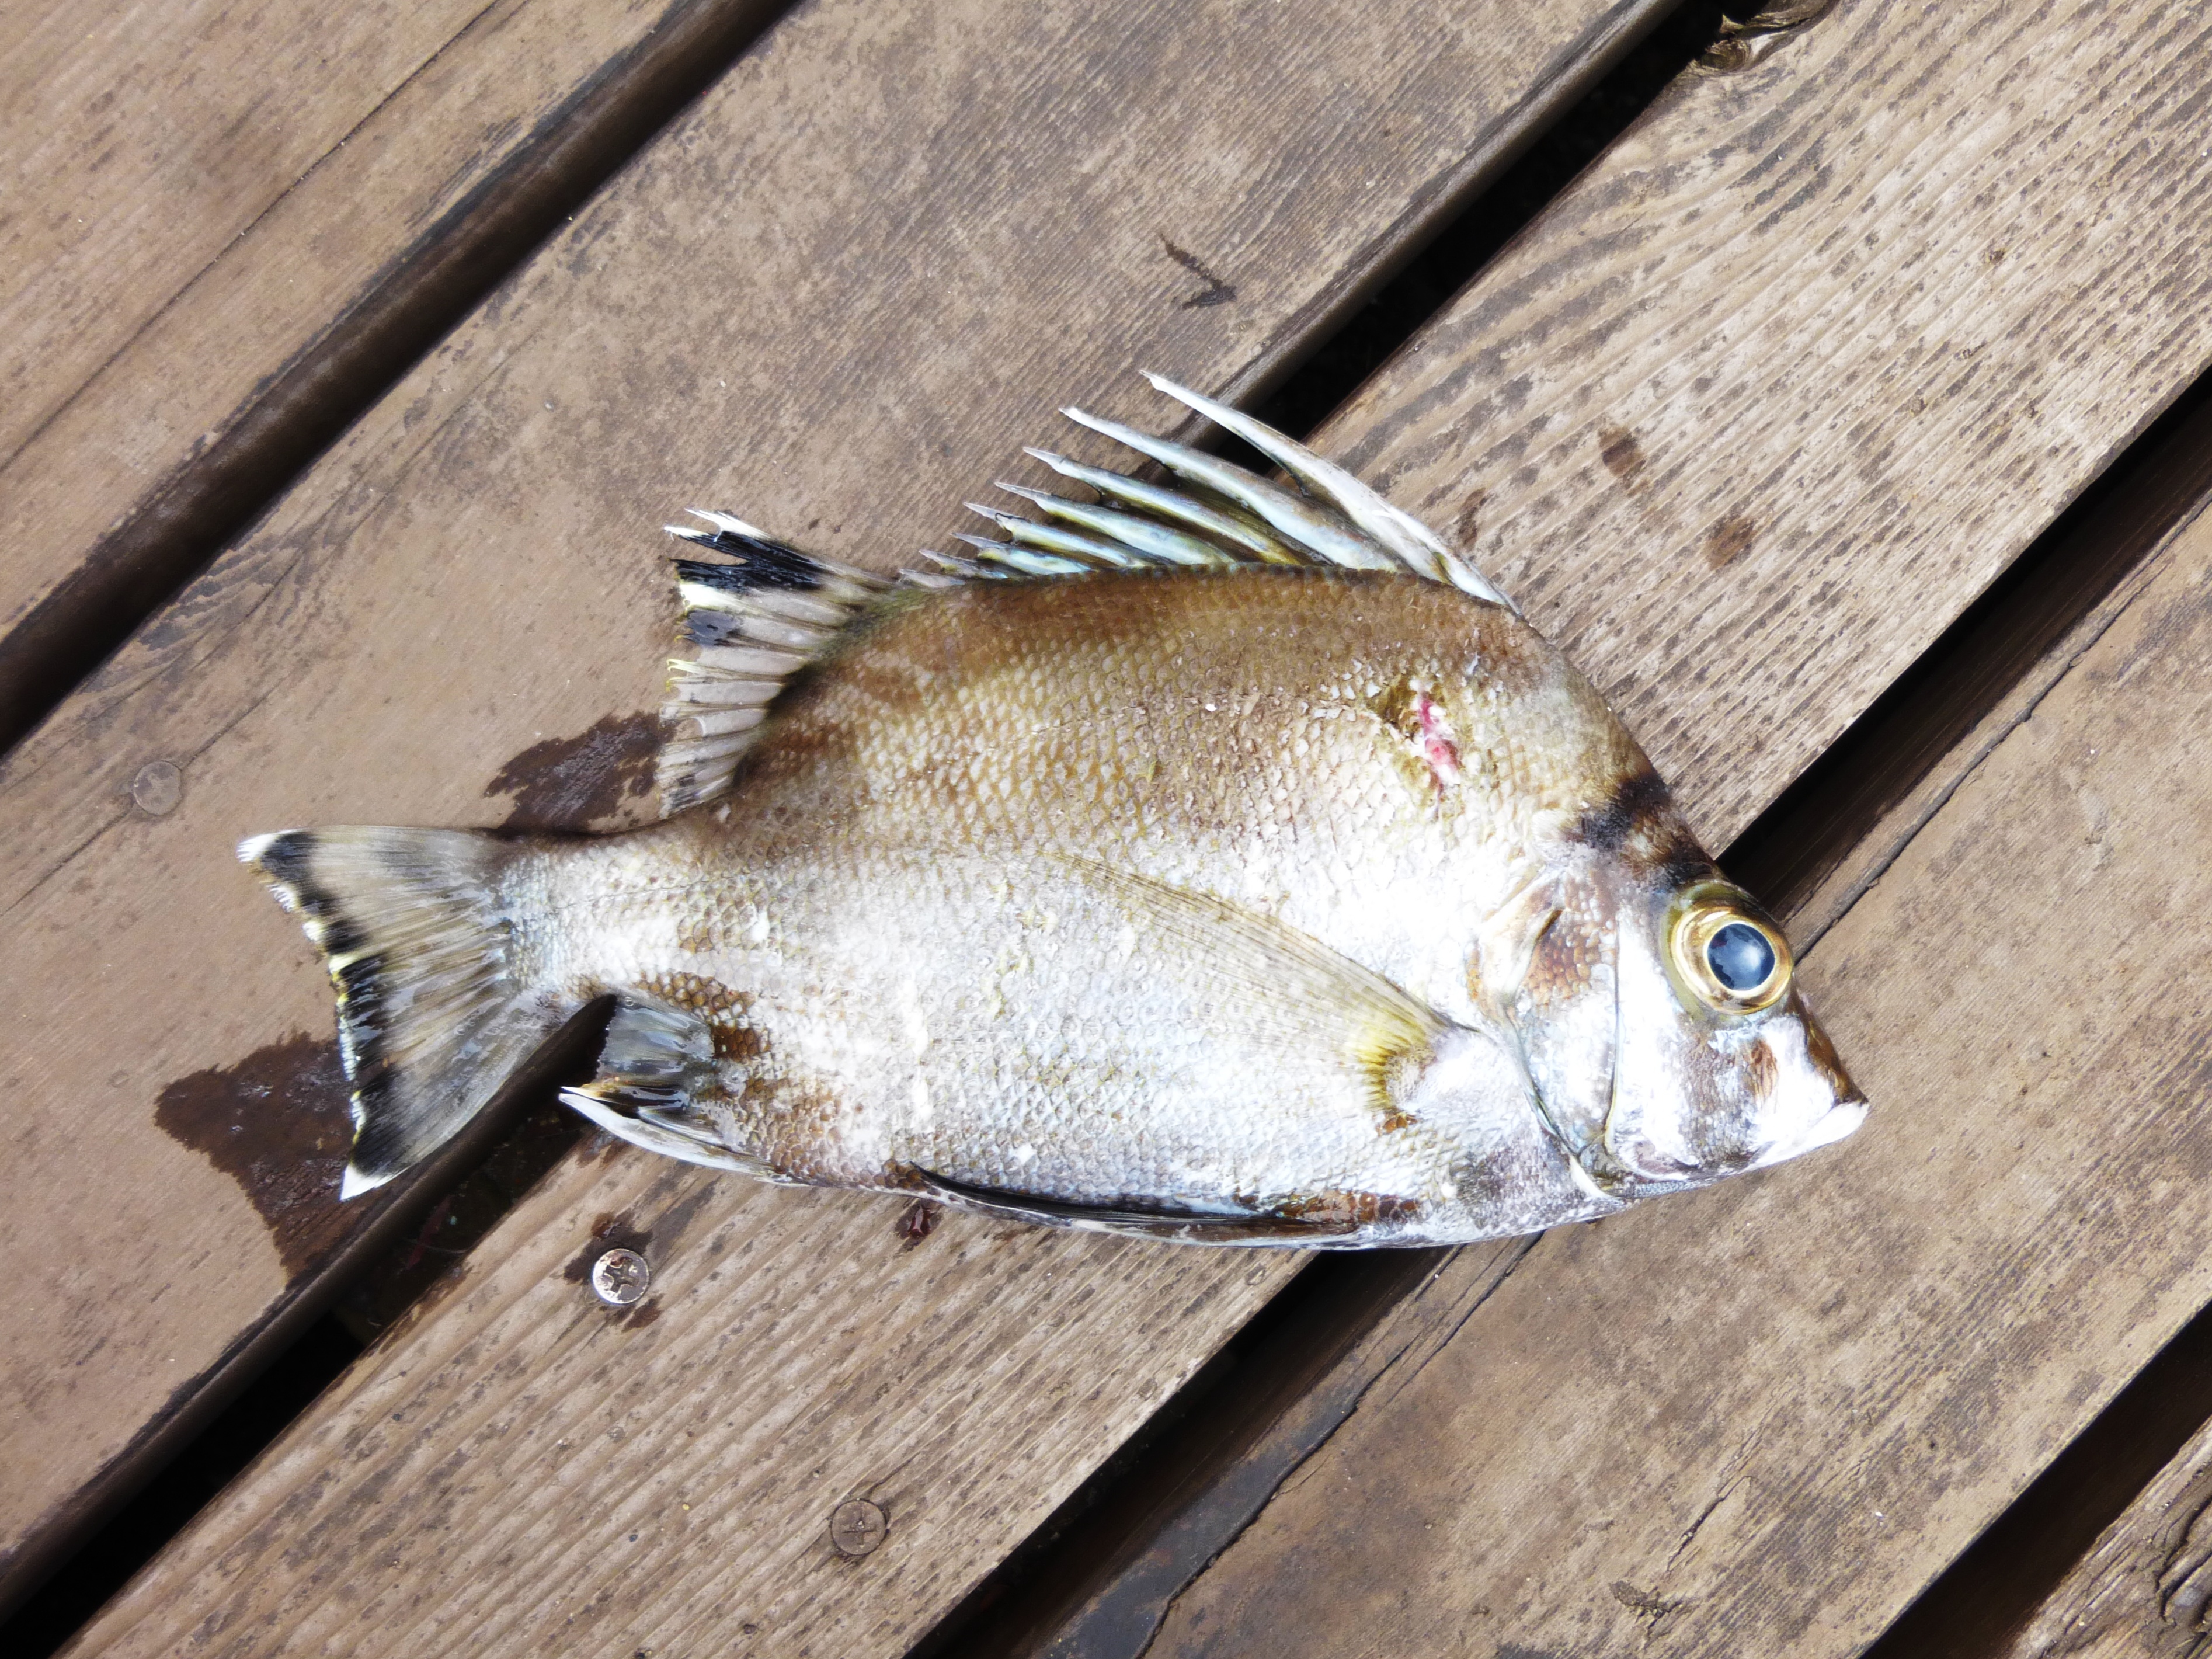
x=1232 y=866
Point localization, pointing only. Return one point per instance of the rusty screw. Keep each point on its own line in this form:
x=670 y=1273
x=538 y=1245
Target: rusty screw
x=158 y=788
x=620 y=1278
x=856 y=1527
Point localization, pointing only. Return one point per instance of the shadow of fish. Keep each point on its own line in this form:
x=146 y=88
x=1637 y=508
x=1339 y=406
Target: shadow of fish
x=1222 y=861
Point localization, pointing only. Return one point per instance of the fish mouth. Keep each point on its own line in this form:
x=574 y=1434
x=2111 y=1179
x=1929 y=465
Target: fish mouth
x=1840 y=1120
x=1608 y=1170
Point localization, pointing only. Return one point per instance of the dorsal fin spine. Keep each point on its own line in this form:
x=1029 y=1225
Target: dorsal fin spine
x=785 y=607
x=1307 y=523
x=1406 y=537
x=1057 y=538
x=1238 y=530
x=1148 y=537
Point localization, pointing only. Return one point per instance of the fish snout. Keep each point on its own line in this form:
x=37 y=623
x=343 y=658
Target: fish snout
x=1818 y=1104
x=1840 y=1120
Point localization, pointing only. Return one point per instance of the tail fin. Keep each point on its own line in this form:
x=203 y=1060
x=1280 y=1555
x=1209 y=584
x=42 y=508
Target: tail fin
x=432 y=1019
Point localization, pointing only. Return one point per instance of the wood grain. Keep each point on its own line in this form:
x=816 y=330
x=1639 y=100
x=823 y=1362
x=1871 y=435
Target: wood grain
x=1857 y=323
x=1761 y=1419
x=224 y=227
x=1107 y=1589
x=1672 y=299
x=838 y=293
x=2143 y=1589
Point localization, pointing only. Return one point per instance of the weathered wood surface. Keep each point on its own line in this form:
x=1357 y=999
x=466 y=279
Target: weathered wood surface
x=1813 y=857
x=1854 y=437
x=839 y=293
x=2142 y=1590
x=203 y=201
x=1109 y=1604
x=1762 y=1418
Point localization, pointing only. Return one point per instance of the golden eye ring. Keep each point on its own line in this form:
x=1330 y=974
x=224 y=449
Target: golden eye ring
x=1733 y=960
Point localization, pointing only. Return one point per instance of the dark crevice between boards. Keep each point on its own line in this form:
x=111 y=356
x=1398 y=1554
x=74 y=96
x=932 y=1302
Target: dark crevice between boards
x=1984 y=1600
x=2155 y=486
x=1093 y=1581
x=1340 y=363
x=1322 y=354
x=175 y=531
x=1129 y=1527
x=224 y=1419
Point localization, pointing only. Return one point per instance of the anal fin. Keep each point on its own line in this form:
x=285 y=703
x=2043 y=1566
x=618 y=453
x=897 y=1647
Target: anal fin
x=1179 y=1226
x=659 y=1087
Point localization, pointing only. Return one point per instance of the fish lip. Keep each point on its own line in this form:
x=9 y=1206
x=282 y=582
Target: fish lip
x=1841 y=1120
x=1616 y=1178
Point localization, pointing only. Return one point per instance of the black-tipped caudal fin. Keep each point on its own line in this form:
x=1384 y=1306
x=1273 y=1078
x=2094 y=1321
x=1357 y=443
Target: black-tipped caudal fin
x=432 y=1019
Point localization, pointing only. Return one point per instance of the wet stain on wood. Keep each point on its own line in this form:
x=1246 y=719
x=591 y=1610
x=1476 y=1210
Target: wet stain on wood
x=1730 y=539
x=277 y=1123
x=673 y=1223
x=1623 y=456
x=571 y=783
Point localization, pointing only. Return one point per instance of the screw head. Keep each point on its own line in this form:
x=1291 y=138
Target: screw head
x=856 y=1527
x=620 y=1278
x=158 y=788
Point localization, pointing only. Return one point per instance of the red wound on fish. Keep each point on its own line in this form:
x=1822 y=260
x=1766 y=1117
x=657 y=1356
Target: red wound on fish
x=1433 y=741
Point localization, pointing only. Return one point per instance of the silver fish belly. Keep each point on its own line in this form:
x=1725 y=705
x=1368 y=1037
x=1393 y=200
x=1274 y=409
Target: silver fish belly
x=1223 y=862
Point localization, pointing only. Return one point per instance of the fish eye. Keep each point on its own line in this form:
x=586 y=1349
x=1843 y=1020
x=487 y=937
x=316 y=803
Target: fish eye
x=1731 y=960
x=1740 y=958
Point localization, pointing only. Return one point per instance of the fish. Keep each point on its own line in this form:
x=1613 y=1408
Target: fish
x=1207 y=856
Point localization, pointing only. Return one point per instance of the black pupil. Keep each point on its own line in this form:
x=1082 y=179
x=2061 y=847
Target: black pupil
x=1740 y=956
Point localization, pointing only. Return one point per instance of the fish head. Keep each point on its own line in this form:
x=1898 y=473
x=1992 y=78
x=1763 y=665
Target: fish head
x=1718 y=1065
x=1666 y=1040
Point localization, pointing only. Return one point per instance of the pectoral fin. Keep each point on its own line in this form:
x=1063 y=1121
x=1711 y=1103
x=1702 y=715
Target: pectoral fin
x=1282 y=988
x=1508 y=943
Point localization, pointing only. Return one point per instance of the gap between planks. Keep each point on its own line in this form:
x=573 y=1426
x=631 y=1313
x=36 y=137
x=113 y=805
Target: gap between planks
x=1797 y=401
x=351 y=183
x=2142 y=1589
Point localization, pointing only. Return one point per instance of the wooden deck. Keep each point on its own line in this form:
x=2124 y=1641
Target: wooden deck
x=1809 y=418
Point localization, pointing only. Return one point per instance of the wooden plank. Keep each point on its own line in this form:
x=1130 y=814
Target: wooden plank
x=2143 y=1589
x=1357 y=1323
x=1761 y=1420
x=219 y=218
x=1703 y=259
x=838 y=293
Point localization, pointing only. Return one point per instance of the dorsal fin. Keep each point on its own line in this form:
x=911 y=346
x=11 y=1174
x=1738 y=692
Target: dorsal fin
x=749 y=625
x=1225 y=516
x=751 y=622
